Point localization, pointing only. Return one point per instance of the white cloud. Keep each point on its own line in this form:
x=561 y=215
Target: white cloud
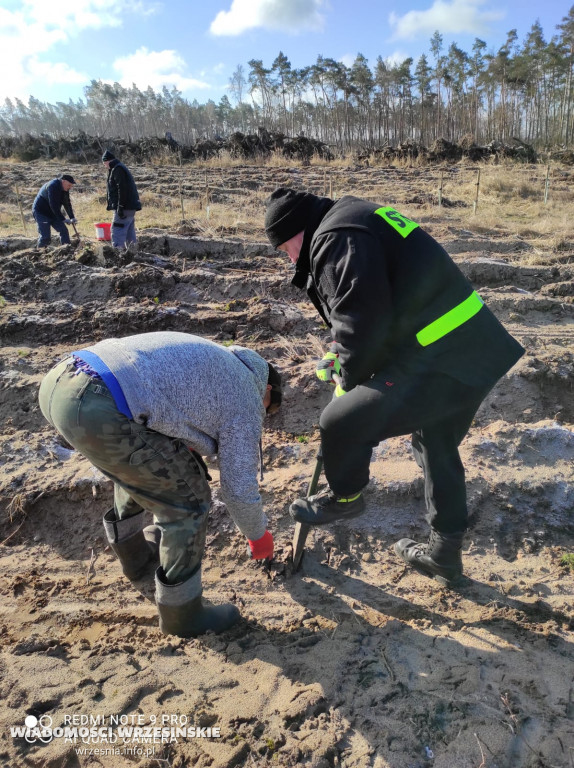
x=155 y=68
x=55 y=73
x=348 y=59
x=31 y=32
x=283 y=15
x=395 y=58
x=453 y=17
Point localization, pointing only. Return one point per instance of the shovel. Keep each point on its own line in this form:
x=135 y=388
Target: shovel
x=302 y=529
x=77 y=233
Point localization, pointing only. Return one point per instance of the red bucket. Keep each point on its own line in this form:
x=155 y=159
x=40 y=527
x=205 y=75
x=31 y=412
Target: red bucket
x=103 y=231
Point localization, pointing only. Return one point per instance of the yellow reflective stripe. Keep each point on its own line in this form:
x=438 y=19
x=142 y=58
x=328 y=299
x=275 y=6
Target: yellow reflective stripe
x=350 y=498
x=450 y=320
x=398 y=221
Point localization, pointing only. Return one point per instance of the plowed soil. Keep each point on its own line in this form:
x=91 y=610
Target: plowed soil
x=353 y=661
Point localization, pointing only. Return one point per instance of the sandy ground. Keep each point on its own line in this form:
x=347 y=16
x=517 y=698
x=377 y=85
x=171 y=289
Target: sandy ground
x=353 y=661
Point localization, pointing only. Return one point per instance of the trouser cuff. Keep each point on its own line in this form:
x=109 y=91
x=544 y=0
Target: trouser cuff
x=118 y=530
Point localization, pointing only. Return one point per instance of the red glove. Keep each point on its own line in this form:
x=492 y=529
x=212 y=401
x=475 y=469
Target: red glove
x=262 y=548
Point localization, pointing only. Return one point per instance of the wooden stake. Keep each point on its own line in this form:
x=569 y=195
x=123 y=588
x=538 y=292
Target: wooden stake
x=330 y=187
x=440 y=189
x=21 y=209
x=475 y=205
x=181 y=188
x=547 y=184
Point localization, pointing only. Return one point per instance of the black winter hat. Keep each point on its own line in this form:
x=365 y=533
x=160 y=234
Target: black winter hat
x=287 y=214
x=274 y=379
x=108 y=156
x=67 y=177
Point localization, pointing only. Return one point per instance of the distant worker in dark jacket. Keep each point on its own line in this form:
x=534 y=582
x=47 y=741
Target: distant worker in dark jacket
x=416 y=349
x=144 y=409
x=123 y=198
x=47 y=210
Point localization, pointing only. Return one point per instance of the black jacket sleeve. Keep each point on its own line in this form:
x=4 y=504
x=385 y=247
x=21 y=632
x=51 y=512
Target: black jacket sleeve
x=119 y=179
x=351 y=277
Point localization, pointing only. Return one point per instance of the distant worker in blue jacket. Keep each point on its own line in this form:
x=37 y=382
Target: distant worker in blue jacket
x=123 y=198
x=47 y=210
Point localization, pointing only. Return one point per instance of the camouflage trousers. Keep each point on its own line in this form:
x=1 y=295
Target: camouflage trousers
x=150 y=471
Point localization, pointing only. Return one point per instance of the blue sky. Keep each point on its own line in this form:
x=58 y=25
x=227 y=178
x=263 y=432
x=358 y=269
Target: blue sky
x=51 y=49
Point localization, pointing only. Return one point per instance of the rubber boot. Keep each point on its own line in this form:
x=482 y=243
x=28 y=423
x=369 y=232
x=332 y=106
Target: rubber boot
x=182 y=612
x=439 y=558
x=126 y=538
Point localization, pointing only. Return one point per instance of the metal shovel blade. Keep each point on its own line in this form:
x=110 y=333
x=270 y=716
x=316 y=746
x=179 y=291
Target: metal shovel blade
x=302 y=529
x=299 y=539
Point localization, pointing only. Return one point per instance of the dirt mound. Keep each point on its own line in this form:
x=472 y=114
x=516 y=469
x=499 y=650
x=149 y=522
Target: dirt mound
x=355 y=661
x=85 y=149
x=441 y=150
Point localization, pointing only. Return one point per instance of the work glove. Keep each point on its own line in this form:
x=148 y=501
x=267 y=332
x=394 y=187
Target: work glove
x=327 y=366
x=73 y=221
x=262 y=549
x=67 y=221
x=121 y=213
x=339 y=391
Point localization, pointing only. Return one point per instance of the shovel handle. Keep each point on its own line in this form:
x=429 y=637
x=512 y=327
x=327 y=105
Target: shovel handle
x=314 y=482
x=302 y=529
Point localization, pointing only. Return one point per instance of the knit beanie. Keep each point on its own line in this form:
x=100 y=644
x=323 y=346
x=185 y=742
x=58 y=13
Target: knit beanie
x=287 y=214
x=108 y=156
x=274 y=379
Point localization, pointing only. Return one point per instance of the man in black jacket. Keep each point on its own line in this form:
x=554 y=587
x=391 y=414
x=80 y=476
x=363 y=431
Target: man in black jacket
x=47 y=210
x=123 y=198
x=416 y=350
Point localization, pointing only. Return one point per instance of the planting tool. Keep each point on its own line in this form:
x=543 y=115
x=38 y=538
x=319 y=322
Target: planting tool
x=302 y=529
x=77 y=233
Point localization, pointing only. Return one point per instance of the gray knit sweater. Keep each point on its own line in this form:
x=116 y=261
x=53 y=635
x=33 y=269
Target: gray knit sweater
x=205 y=394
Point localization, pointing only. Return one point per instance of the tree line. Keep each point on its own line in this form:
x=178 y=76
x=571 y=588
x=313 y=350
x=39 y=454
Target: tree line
x=524 y=90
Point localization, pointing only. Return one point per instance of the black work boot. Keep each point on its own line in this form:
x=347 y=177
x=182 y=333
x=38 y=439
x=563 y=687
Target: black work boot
x=126 y=538
x=439 y=558
x=182 y=612
x=326 y=507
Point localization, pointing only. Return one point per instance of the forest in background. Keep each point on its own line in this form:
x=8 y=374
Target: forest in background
x=524 y=90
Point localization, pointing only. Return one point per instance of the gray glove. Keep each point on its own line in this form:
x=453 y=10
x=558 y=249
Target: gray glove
x=67 y=221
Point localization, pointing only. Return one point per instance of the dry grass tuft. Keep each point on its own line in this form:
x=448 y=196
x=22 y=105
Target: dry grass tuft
x=298 y=349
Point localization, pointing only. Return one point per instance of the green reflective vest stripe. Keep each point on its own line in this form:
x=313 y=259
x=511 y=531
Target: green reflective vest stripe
x=450 y=320
x=398 y=221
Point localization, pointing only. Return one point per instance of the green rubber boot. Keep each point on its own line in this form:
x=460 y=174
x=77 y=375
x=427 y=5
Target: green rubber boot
x=182 y=612
x=127 y=539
